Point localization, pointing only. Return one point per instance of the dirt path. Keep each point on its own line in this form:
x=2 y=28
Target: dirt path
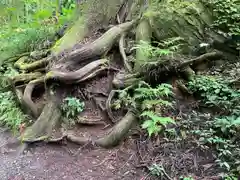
x=58 y=163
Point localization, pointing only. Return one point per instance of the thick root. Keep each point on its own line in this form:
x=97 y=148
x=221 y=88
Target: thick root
x=118 y=132
x=43 y=127
x=27 y=97
x=25 y=78
x=86 y=72
x=24 y=66
x=113 y=138
x=100 y=46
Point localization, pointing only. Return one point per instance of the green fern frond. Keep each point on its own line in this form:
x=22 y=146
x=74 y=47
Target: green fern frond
x=149 y=104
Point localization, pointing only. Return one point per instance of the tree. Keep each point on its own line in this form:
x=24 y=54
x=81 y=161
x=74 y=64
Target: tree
x=121 y=21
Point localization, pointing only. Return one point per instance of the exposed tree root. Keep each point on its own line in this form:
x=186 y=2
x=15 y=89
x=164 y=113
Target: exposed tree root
x=100 y=46
x=205 y=57
x=122 y=51
x=123 y=79
x=86 y=72
x=25 y=78
x=113 y=138
x=84 y=121
x=118 y=132
x=43 y=127
x=24 y=66
x=27 y=97
x=108 y=105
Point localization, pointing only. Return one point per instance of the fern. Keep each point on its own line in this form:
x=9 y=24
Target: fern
x=164 y=48
x=151 y=93
x=149 y=104
x=145 y=99
x=154 y=123
x=10 y=114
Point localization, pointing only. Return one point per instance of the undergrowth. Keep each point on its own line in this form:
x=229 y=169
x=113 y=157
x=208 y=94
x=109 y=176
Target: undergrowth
x=151 y=104
x=10 y=114
x=71 y=107
x=220 y=128
x=26 y=25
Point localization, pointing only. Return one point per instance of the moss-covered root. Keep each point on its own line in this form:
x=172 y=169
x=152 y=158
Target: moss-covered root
x=43 y=127
x=23 y=65
x=143 y=33
x=86 y=72
x=27 y=96
x=100 y=46
x=118 y=132
x=25 y=78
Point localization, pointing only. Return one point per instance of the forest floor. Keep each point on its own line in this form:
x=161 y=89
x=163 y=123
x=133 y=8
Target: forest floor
x=132 y=159
x=59 y=162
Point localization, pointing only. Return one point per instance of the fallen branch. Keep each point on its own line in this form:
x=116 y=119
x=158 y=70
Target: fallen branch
x=205 y=57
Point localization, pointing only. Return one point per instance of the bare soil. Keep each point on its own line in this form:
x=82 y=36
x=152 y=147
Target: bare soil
x=55 y=162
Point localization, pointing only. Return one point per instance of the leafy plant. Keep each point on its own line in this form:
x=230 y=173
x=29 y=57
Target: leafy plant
x=226 y=16
x=148 y=101
x=155 y=170
x=186 y=178
x=11 y=115
x=228 y=124
x=216 y=93
x=26 y=24
x=72 y=107
x=164 y=48
x=154 y=123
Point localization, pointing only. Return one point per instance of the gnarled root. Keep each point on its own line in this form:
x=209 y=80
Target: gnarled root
x=100 y=46
x=27 y=96
x=86 y=72
x=108 y=105
x=118 y=132
x=113 y=138
x=122 y=51
x=24 y=66
x=43 y=127
x=25 y=78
